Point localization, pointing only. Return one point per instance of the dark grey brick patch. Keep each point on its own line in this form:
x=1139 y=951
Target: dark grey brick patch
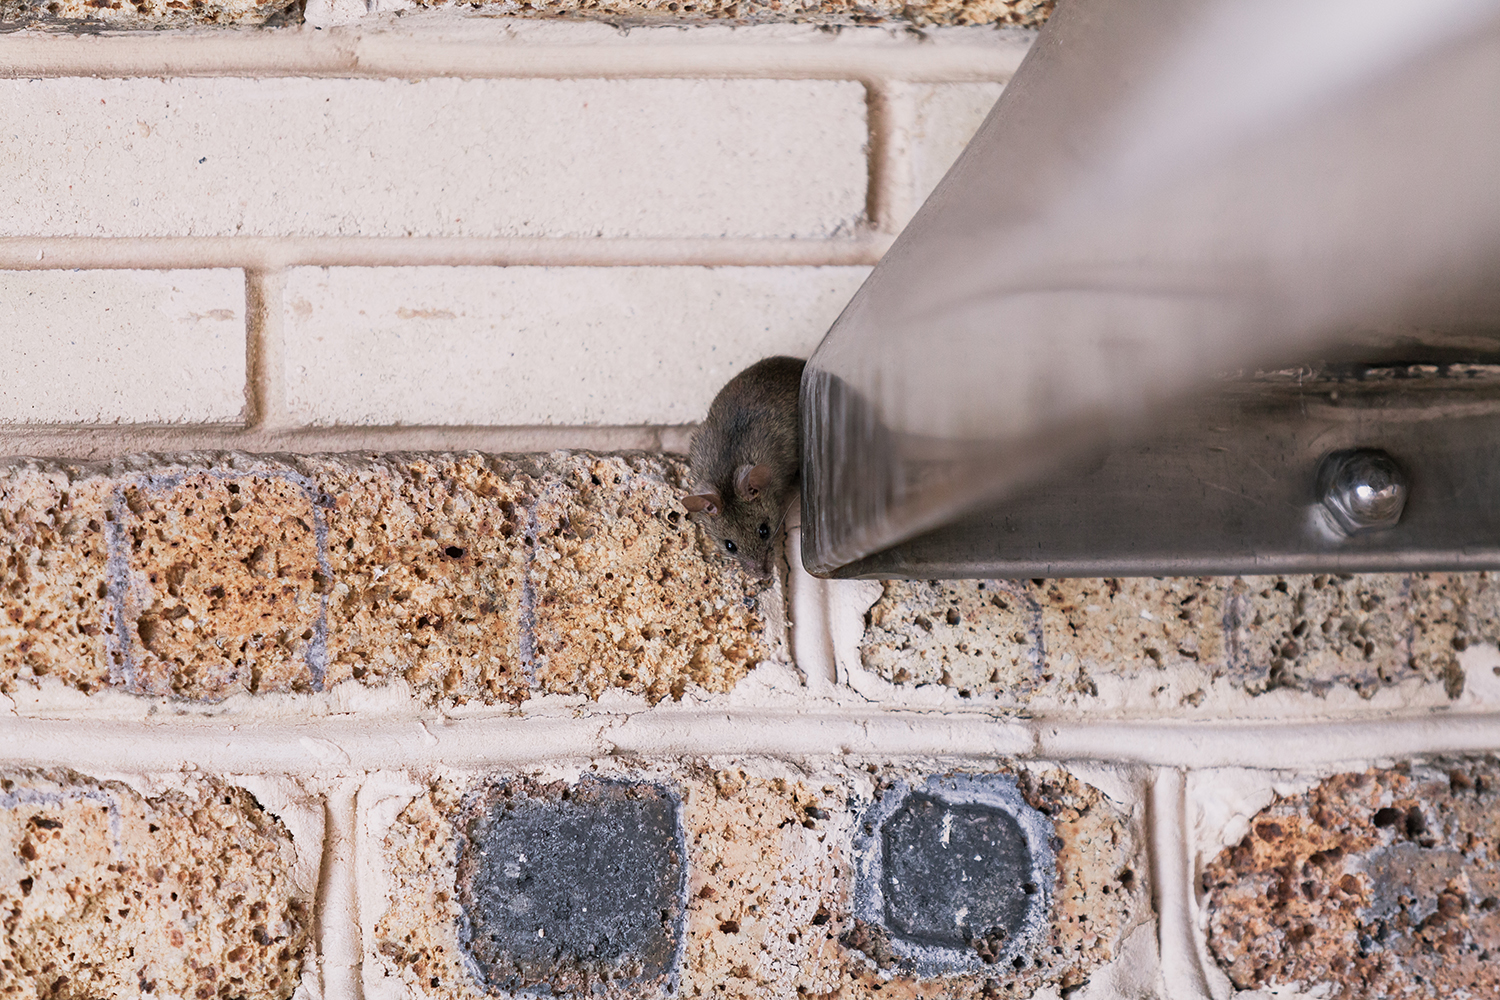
x=567 y=888
x=953 y=876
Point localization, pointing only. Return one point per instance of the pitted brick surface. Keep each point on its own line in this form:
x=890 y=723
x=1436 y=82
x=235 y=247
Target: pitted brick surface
x=472 y=578
x=159 y=13
x=427 y=556
x=219 y=578
x=110 y=893
x=144 y=13
x=626 y=592
x=54 y=605
x=770 y=876
x=1021 y=639
x=1383 y=883
x=1023 y=12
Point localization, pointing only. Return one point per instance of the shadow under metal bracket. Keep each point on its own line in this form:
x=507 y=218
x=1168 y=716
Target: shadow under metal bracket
x=1030 y=382
x=1248 y=482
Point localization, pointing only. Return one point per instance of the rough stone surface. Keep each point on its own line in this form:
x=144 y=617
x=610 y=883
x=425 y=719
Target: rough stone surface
x=627 y=593
x=1022 y=12
x=427 y=557
x=217 y=577
x=470 y=577
x=1023 y=639
x=771 y=871
x=1375 y=884
x=517 y=157
x=163 y=13
x=521 y=346
x=566 y=885
x=145 y=13
x=119 y=346
x=111 y=893
x=54 y=603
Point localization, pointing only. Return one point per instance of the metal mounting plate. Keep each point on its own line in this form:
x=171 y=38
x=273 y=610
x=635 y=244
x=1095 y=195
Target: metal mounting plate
x=1229 y=485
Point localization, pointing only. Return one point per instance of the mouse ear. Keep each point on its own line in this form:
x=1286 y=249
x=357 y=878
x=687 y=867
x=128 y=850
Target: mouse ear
x=751 y=479
x=707 y=502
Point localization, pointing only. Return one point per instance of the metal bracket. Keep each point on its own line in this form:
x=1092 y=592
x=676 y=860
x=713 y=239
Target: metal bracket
x=1352 y=468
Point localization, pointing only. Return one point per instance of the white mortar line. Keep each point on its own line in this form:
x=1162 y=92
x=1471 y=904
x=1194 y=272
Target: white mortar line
x=272 y=253
x=344 y=744
x=1290 y=744
x=364 y=52
x=265 y=382
x=891 y=119
x=812 y=638
x=340 y=951
x=879 y=125
x=102 y=442
x=1171 y=879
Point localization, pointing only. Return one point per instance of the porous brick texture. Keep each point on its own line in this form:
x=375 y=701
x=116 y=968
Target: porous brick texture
x=1023 y=12
x=1381 y=883
x=110 y=893
x=769 y=885
x=1022 y=640
x=145 y=13
x=468 y=577
x=167 y=13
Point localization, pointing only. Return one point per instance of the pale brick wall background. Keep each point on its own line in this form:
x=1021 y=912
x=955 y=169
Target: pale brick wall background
x=353 y=643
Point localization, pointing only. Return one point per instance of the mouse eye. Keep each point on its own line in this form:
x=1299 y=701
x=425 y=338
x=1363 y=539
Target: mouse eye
x=731 y=547
x=765 y=530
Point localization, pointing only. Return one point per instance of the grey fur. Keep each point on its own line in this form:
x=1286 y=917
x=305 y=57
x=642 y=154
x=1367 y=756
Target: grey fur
x=752 y=421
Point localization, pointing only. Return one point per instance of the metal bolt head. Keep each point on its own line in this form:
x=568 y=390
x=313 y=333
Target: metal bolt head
x=1364 y=490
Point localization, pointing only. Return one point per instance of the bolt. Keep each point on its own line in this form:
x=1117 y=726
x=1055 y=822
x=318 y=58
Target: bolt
x=1364 y=490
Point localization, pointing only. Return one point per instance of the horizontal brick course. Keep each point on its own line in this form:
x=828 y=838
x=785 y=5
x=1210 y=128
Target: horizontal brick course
x=538 y=345
x=1022 y=640
x=161 y=13
x=97 y=347
x=771 y=883
x=470 y=578
x=436 y=157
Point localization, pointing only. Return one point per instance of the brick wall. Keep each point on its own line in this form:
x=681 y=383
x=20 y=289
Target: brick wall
x=353 y=643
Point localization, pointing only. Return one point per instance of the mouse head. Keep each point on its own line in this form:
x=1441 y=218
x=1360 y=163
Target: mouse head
x=745 y=520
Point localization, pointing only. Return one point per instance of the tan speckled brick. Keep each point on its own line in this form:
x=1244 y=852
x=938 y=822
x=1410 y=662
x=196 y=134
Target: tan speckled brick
x=770 y=883
x=54 y=607
x=428 y=560
x=1025 y=12
x=1382 y=883
x=159 y=13
x=144 y=13
x=111 y=893
x=625 y=591
x=1021 y=639
x=468 y=577
x=221 y=580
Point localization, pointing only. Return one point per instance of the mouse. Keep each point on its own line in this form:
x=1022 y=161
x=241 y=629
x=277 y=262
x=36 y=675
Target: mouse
x=746 y=462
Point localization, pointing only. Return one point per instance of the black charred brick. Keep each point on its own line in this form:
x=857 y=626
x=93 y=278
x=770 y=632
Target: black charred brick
x=942 y=860
x=956 y=874
x=565 y=886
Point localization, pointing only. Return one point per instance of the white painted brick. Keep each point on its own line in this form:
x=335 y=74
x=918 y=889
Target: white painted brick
x=436 y=157
x=944 y=118
x=538 y=345
x=98 y=347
